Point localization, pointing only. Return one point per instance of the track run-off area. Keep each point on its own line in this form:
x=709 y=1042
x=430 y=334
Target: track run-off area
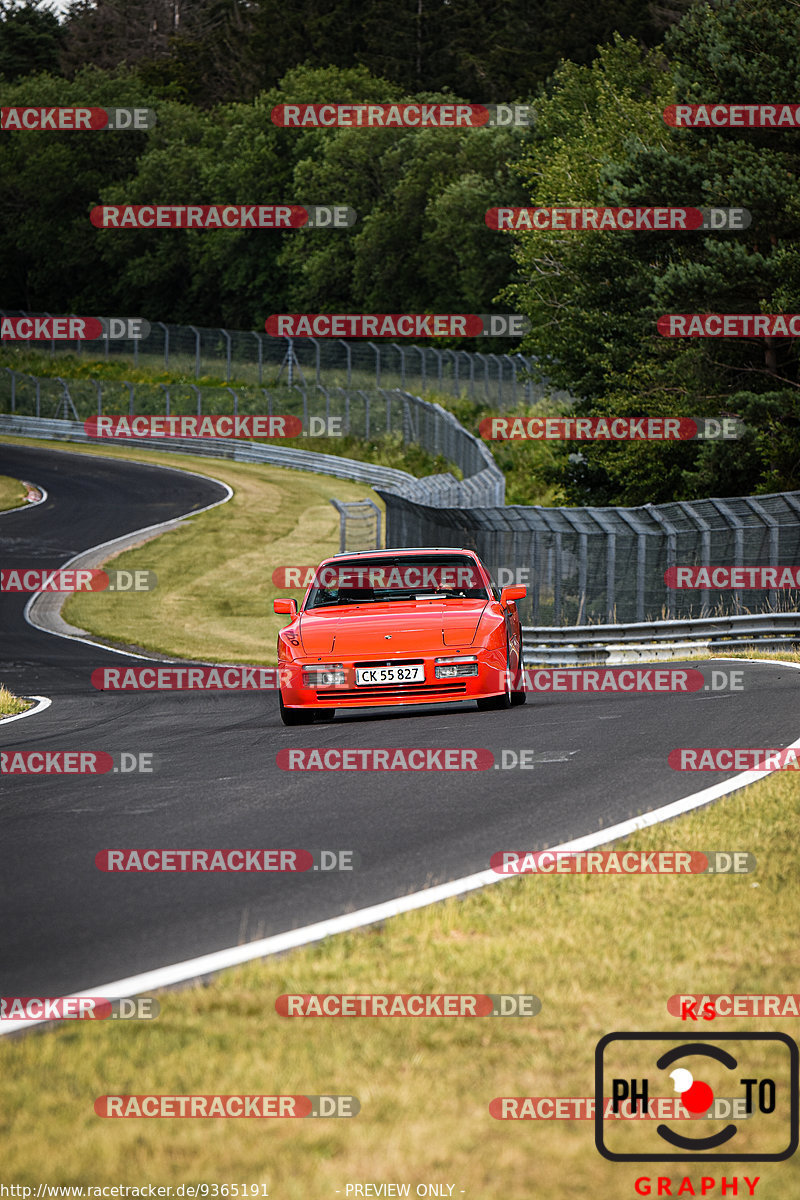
x=598 y=760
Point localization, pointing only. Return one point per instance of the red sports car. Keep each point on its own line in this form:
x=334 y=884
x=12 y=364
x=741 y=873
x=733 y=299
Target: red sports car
x=389 y=627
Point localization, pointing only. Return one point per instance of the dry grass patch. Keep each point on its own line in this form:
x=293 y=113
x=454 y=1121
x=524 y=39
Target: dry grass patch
x=11 y=705
x=12 y=492
x=602 y=954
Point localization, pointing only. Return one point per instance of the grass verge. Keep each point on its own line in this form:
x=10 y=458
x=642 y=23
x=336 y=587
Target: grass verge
x=601 y=953
x=739 y=651
x=215 y=590
x=12 y=492
x=11 y=705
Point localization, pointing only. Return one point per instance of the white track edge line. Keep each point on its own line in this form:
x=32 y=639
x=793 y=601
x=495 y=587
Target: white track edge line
x=28 y=503
x=206 y=964
x=43 y=702
x=162 y=525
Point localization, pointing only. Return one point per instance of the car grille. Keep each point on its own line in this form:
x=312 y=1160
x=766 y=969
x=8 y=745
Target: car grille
x=393 y=690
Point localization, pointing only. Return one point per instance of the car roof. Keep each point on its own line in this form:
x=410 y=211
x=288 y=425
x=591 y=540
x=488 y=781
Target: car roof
x=392 y=551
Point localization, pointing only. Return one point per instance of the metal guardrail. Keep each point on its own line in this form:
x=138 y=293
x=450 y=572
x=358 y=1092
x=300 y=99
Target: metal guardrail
x=282 y=456
x=707 y=628
x=431 y=490
x=611 y=655
x=358 y=413
x=650 y=641
x=567 y=644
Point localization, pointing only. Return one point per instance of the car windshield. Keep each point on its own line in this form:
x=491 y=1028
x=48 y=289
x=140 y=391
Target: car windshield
x=410 y=577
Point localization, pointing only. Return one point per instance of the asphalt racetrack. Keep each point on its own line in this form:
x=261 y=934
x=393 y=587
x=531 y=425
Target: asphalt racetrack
x=69 y=926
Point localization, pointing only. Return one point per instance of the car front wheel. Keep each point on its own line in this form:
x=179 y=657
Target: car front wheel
x=520 y=697
x=296 y=716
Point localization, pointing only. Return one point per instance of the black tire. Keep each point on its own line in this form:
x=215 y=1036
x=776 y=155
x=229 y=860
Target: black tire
x=519 y=697
x=296 y=716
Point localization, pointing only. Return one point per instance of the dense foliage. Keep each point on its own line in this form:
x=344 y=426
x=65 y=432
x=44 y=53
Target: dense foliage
x=598 y=78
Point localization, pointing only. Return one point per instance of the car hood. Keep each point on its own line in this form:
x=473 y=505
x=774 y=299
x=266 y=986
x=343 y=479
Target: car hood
x=387 y=630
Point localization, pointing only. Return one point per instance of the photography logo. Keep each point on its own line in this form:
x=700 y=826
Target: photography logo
x=746 y=1083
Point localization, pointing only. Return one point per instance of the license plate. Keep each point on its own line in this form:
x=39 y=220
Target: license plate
x=370 y=676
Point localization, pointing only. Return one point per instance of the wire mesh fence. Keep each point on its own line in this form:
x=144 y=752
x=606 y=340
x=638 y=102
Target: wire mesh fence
x=256 y=358
x=607 y=565
x=581 y=566
x=359 y=525
x=323 y=412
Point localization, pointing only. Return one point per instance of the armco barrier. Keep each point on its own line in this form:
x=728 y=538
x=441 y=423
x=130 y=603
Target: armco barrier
x=650 y=641
x=592 y=567
x=783 y=626
x=359 y=413
x=431 y=490
x=611 y=655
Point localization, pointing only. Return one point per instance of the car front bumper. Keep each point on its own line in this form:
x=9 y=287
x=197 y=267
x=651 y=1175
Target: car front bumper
x=489 y=681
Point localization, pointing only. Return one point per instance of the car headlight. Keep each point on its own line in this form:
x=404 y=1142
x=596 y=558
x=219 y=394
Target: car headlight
x=453 y=668
x=324 y=675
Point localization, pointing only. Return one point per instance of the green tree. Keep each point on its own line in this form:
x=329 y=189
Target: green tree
x=594 y=298
x=421 y=242
x=196 y=51
x=48 y=246
x=488 y=50
x=30 y=38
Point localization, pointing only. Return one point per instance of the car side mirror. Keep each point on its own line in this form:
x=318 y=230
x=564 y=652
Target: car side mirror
x=512 y=593
x=285 y=606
